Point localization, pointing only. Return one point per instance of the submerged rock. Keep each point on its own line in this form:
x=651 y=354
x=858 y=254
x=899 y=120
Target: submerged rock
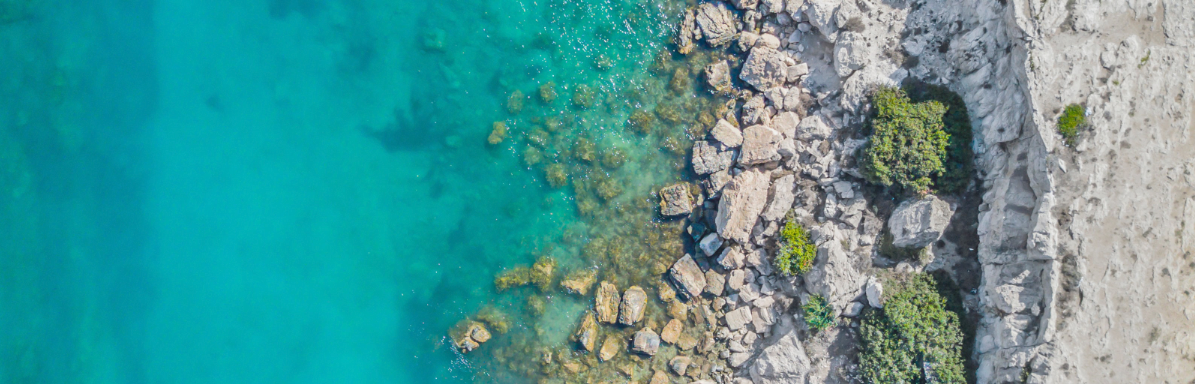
x=646 y=341
x=587 y=333
x=672 y=331
x=688 y=276
x=610 y=348
x=579 y=282
x=606 y=303
x=675 y=200
x=631 y=309
x=917 y=223
x=679 y=364
x=469 y=336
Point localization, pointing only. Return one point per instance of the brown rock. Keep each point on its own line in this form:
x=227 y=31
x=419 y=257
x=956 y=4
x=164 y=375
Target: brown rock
x=715 y=282
x=610 y=348
x=631 y=309
x=678 y=310
x=672 y=331
x=606 y=303
x=587 y=333
x=743 y=200
x=675 y=200
x=646 y=341
x=659 y=378
x=686 y=342
x=479 y=333
x=688 y=277
x=679 y=364
x=579 y=282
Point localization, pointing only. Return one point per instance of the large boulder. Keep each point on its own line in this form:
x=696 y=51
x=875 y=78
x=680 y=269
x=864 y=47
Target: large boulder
x=708 y=159
x=646 y=341
x=782 y=198
x=716 y=22
x=833 y=276
x=633 y=302
x=764 y=69
x=717 y=75
x=688 y=277
x=821 y=14
x=813 y=127
x=606 y=303
x=739 y=318
x=743 y=199
x=917 y=223
x=587 y=333
x=675 y=200
x=783 y=362
x=760 y=145
x=729 y=135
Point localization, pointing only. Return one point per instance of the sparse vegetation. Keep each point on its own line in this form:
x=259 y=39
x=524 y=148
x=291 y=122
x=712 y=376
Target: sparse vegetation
x=914 y=338
x=908 y=142
x=818 y=313
x=1073 y=118
x=797 y=251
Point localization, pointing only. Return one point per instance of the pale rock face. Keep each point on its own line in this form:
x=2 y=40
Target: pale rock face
x=782 y=198
x=786 y=123
x=768 y=40
x=755 y=111
x=821 y=14
x=769 y=7
x=833 y=276
x=783 y=362
x=688 y=277
x=716 y=22
x=708 y=159
x=717 y=75
x=813 y=127
x=917 y=223
x=875 y=293
x=743 y=200
x=739 y=318
x=764 y=69
x=760 y=145
x=731 y=258
x=715 y=283
x=851 y=53
x=727 y=134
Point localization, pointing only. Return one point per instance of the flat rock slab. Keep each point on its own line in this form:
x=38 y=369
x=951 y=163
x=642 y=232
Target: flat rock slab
x=688 y=277
x=764 y=69
x=742 y=202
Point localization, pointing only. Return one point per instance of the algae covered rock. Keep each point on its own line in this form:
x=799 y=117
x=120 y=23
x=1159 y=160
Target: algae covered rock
x=633 y=302
x=511 y=278
x=495 y=319
x=541 y=273
x=587 y=333
x=514 y=103
x=606 y=303
x=646 y=341
x=497 y=133
x=583 y=97
x=675 y=200
x=717 y=75
x=468 y=335
x=556 y=175
x=547 y=92
x=579 y=282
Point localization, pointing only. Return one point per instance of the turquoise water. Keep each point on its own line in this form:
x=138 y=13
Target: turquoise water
x=302 y=190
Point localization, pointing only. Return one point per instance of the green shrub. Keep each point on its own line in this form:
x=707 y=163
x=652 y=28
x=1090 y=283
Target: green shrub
x=913 y=336
x=907 y=143
x=958 y=164
x=796 y=250
x=818 y=313
x=1073 y=117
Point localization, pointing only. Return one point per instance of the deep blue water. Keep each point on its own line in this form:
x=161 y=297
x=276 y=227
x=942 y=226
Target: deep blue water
x=294 y=191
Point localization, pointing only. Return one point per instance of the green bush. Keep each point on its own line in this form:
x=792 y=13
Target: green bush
x=818 y=313
x=958 y=164
x=1073 y=117
x=913 y=336
x=796 y=250
x=907 y=142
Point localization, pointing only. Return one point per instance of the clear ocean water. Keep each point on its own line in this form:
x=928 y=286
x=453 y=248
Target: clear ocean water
x=302 y=191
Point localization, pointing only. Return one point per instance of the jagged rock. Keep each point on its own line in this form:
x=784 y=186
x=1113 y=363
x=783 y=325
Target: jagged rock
x=727 y=134
x=813 y=128
x=783 y=197
x=786 y=123
x=755 y=111
x=821 y=15
x=606 y=303
x=731 y=258
x=713 y=185
x=875 y=293
x=688 y=277
x=715 y=283
x=716 y=22
x=782 y=362
x=679 y=364
x=708 y=159
x=851 y=53
x=917 y=223
x=760 y=145
x=743 y=200
x=710 y=243
x=646 y=341
x=672 y=331
x=675 y=200
x=833 y=276
x=739 y=318
x=717 y=75
x=687 y=33
x=764 y=69
x=631 y=309
x=746 y=4
x=610 y=348
x=587 y=333
x=769 y=7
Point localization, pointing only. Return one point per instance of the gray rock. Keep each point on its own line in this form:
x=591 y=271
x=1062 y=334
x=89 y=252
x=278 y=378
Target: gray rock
x=917 y=223
x=710 y=243
x=727 y=134
x=736 y=279
x=688 y=277
x=713 y=185
x=715 y=283
x=833 y=276
x=786 y=123
x=875 y=293
x=742 y=201
x=731 y=258
x=755 y=111
x=771 y=6
x=769 y=40
x=796 y=72
x=821 y=15
x=747 y=40
x=764 y=69
x=739 y=318
x=813 y=128
x=675 y=200
x=716 y=22
x=782 y=362
x=717 y=75
x=646 y=341
x=851 y=53
x=708 y=159
x=854 y=309
x=783 y=197
x=760 y=145
x=631 y=309
x=746 y=4
x=738 y=358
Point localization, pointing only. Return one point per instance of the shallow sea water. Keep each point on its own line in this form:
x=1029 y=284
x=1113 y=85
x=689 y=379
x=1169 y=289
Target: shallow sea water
x=302 y=190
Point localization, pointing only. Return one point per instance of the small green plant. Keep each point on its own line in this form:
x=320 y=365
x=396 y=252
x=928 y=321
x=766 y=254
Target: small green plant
x=1073 y=117
x=797 y=251
x=914 y=338
x=908 y=143
x=1145 y=59
x=818 y=313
